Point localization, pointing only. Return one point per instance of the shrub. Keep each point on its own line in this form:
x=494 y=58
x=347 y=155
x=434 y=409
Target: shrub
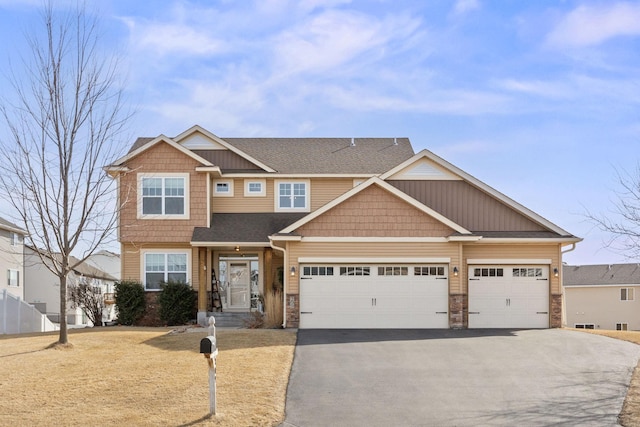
x=177 y=303
x=130 y=302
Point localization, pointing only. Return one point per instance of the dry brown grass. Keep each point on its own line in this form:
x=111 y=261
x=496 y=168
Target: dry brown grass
x=630 y=414
x=144 y=377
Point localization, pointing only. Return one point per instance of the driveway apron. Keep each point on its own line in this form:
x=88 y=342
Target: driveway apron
x=457 y=378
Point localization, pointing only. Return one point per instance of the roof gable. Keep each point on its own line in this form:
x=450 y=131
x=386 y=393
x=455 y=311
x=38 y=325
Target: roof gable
x=159 y=140
x=422 y=169
x=386 y=187
x=447 y=167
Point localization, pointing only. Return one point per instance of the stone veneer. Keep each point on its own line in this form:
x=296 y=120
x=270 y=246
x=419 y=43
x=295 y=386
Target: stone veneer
x=293 y=310
x=555 y=320
x=458 y=306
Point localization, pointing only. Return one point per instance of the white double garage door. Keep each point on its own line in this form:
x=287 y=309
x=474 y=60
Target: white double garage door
x=337 y=296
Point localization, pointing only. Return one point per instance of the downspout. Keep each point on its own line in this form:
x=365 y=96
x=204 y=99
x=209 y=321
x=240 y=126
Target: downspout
x=284 y=285
x=561 y=278
x=573 y=246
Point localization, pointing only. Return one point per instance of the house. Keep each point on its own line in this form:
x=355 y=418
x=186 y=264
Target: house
x=11 y=258
x=356 y=232
x=602 y=296
x=42 y=288
x=107 y=262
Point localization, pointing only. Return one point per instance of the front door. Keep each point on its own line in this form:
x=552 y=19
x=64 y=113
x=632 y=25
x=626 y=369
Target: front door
x=239 y=281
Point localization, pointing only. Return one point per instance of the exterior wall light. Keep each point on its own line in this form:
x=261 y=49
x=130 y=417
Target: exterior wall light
x=455 y=271
x=556 y=273
x=237 y=248
x=293 y=271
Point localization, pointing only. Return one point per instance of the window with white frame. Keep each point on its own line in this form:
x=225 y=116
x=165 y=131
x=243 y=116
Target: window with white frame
x=164 y=196
x=622 y=326
x=292 y=196
x=13 y=278
x=15 y=239
x=254 y=188
x=223 y=188
x=626 y=294
x=162 y=267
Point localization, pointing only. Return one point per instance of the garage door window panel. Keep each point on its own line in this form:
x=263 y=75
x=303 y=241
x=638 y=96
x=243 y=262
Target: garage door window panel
x=355 y=271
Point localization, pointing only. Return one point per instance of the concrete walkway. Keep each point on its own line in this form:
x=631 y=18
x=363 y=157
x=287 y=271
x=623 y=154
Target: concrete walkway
x=457 y=378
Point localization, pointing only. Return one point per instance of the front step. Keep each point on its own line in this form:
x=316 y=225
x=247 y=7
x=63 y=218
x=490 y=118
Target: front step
x=230 y=319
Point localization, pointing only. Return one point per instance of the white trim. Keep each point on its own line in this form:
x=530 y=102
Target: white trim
x=373 y=239
x=597 y=285
x=298 y=175
x=499 y=261
x=152 y=143
x=229 y=183
x=285 y=238
x=263 y=187
x=531 y=240
x=208 y=200
x=481 y=185
x=372 y=260
x=276 y=194
x=143 y=252
x=228 y=244
x=17 y=272
x=217 y=139
x=385 y=186
x=187 y=194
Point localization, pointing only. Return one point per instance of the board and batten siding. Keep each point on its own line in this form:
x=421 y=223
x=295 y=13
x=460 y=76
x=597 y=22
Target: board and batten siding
x=391 y=252
x=132 y=260
x=466 y=205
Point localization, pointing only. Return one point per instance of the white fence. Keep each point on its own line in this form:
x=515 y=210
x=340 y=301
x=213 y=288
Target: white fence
x=19 y=317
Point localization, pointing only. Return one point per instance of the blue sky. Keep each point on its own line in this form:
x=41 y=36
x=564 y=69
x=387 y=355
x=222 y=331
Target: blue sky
x=540 y=100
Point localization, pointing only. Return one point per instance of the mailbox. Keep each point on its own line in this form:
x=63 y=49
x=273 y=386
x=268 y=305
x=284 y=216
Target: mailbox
x=208 y=346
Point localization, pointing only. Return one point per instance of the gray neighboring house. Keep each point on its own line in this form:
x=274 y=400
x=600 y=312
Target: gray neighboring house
x=43 y=289
x=12 y=258
x=602 y=296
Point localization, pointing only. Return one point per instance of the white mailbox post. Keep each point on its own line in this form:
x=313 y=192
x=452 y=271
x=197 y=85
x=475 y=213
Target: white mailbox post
x=209 y=348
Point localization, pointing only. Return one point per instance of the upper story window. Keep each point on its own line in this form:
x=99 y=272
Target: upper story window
x=164 y=196
x=15 y=239
x=254 y=188
x=626 y=294
x=13 y=278
x=223 y=188
x=292 y=195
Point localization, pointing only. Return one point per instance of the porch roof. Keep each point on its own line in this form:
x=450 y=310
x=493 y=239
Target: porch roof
x=244 y=227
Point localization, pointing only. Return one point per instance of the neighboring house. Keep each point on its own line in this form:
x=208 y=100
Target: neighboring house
x=42 y=288
x=106 y=261
x=602 y=296
x=12 y=258
x=363 y=232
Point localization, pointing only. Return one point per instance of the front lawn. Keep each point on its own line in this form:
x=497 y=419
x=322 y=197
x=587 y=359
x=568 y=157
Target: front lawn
x=144 y=377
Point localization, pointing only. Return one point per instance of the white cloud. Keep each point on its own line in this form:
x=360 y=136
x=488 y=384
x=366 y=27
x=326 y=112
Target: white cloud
x=590 y=25
x=547 y=89
x=464 y=6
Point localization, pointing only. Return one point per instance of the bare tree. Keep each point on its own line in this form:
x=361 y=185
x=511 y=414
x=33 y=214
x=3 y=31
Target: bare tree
x=63 y=120
x=622 y=222
x=86 y=294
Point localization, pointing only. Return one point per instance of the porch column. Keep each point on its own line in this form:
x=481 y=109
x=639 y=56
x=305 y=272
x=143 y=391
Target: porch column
x=202 y=287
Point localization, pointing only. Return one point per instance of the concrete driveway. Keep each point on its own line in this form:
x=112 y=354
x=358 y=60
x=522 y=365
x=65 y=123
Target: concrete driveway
x=457 y=378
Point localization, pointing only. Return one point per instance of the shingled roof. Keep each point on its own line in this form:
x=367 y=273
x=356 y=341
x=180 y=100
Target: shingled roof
x=244 y=227
x=594 y=275
x=7 y=225
x=321 y=155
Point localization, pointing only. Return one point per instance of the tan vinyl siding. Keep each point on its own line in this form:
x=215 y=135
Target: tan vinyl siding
x=374 y=212
x=523 y=251
x=322 y=191
x=466 y=205
x=132 y=260
x=601 y=305
x=393 y=251
x=159 y=159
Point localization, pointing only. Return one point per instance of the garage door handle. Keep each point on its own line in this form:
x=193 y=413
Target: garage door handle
x=542 y=312
x=474 y=312
x=441 y=312
x=441 y=278
x=306 y=312
x=542 y=279
x=306 y=278
x=473 y=279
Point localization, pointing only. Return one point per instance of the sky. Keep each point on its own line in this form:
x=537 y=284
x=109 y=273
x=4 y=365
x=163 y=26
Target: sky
x=538 y=99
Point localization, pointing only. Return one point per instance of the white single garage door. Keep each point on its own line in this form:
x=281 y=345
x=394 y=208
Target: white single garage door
x=338 y=296
x=508 y=296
